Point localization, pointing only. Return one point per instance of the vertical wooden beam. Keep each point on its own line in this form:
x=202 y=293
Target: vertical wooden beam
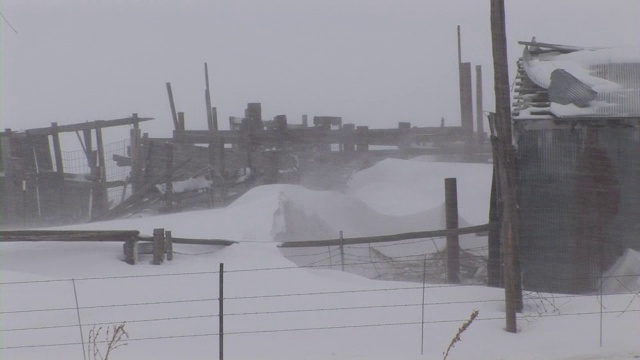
x=403 y=145
x=363 y=138
x=168 y=194
x=88 y=148
x=453 y=244
x=135 y=151
x=466 y=100
x=131 y=251
x=11 y=205
x=176 y=125
x=207 y=99
x=479 y=106
x=101 y=198
x=158 y=246
x=349 y=142
x=494 y=268
x=57 y=150
x=181 y=121
x=506 y=164
x=168 y=244
x=214 y=117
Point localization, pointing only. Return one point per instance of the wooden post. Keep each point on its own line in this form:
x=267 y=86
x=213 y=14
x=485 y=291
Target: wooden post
x=363 y=138
x=135 y=152
x=176 y=125
x=466 y=107
x=494 y=268
x=453 y=245
x=479 y=108
x=101 y=194
x=168 y=244
x=349 y=143
x=221 y=313
x=207 y=99
x=168 y=194
x=403 y=146
x=158 y=246
x=214 y=117
x=12 y=207
x=88 y=149
x=57 y=150
x=181 y=124
x=506 y=165
x=131 y=251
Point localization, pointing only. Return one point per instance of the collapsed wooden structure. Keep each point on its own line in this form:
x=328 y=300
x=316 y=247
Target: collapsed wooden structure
x=36 y=188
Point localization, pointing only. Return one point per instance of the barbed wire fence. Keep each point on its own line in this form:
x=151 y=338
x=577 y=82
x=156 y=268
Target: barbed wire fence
x=160 y=312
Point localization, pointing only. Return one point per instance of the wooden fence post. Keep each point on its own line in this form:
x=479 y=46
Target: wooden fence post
x=453 y=245
x=158 y=246
x=168 y=244
x=131 y=251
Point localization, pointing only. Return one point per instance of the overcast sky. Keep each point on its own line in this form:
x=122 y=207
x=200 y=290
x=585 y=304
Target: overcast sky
x=373 y=62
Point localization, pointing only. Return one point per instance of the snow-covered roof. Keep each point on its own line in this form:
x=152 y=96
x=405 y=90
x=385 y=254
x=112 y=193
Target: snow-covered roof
x=573 y=82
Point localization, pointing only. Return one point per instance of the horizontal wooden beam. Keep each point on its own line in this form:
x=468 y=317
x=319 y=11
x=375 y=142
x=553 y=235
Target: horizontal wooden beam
x=67 y=235
x=386 y=238
x=187 y=241
x=89 y=125
x=385 y=137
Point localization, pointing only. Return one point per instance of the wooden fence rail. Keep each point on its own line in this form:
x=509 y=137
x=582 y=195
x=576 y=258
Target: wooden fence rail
x=387 y=238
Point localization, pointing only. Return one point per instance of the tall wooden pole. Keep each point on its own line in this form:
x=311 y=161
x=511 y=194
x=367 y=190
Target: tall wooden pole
x=207 y=98
x=172 y=104
x=506 y=164
x=479 y=109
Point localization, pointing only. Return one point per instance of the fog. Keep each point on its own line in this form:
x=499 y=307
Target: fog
x=372 y=62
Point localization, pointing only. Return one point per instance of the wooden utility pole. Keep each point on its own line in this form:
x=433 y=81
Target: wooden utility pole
x=506 y=165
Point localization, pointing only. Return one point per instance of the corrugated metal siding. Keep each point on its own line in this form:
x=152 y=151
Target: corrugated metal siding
x=623 y=102
x=547 y=173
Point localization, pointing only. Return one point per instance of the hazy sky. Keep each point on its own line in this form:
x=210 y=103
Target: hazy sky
x=373 y=62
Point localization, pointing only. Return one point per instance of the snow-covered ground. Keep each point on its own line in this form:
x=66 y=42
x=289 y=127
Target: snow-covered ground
x=275 y=309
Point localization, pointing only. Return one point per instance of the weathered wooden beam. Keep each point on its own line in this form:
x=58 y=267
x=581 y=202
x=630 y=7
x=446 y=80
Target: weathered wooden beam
x=57 y=149
x=89 y=125
x=387 y=238
x=385 y=137
x=172 y=105
x=67 y=235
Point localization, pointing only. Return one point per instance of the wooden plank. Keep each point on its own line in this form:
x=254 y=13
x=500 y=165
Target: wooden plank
x=89 y=125
x=297 y=136
x=387 y=238
x=67 y=235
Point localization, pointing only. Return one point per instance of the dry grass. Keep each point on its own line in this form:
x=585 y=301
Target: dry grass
x=462 y=329
x=114 y=338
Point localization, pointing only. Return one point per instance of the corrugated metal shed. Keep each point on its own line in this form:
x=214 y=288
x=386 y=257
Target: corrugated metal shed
x=560 y=81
